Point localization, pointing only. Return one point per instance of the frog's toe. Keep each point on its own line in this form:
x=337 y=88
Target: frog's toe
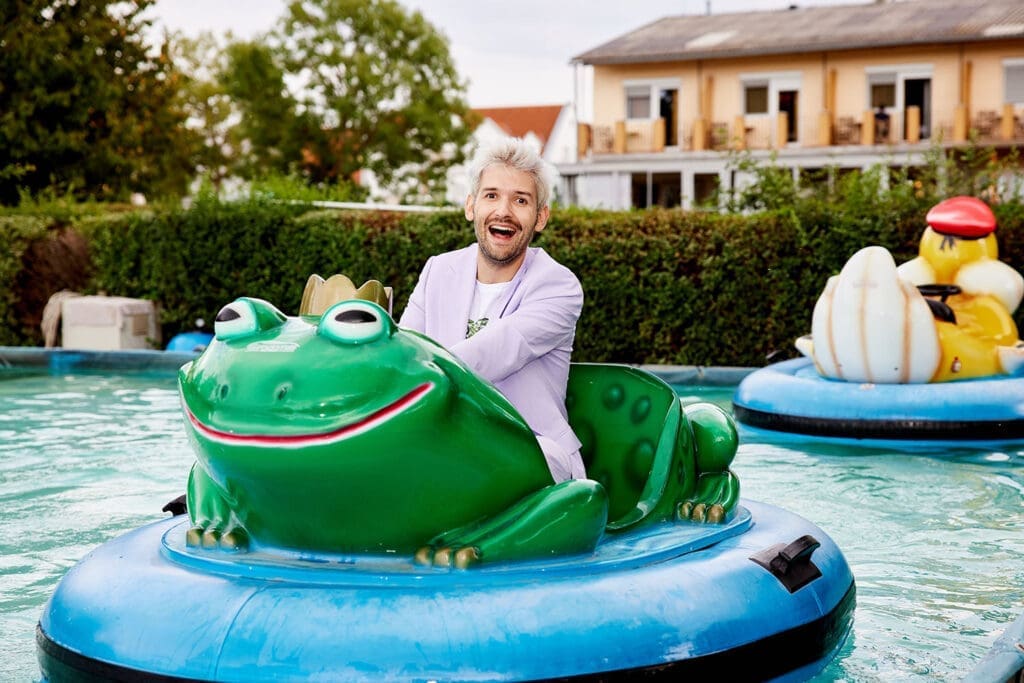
x=443 y=557
x=236 y=540
x=424 y=556
x=194 y=537
x=467 y=557
x=696 y=512
x=210 y=538
x=716 y=514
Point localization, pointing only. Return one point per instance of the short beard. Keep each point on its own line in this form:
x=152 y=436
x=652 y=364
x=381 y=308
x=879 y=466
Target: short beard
x=512 y=256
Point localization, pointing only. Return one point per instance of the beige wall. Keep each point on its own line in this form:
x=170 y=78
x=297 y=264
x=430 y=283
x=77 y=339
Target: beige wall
x=987 y=86
x=610 y=91
x=851 y=96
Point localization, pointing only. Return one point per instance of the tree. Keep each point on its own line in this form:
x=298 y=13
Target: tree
x=270 y=135
x=85 y=107
x=346 y=86
x=210 y=111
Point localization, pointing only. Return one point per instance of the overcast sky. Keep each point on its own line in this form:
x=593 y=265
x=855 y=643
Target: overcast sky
x=512 y=52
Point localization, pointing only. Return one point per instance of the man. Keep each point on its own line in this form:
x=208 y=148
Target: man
x=506 y=309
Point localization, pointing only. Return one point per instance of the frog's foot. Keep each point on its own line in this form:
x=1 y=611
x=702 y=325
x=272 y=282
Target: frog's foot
x=562 y=519
x=448 y=556
x=715 y=498
x=210 y=537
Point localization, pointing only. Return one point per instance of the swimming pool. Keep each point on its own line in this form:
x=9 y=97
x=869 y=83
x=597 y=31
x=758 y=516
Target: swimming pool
x=935 y=543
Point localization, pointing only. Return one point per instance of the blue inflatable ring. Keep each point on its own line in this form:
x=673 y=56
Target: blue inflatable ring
x=792 y=397
x=676 y=599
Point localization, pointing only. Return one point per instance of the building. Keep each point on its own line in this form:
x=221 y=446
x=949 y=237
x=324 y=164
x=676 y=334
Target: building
x=809 y=87
x=550 y=129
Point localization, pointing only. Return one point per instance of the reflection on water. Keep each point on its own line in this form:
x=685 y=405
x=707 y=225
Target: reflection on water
x=934 y=537
x=82 y=459
x=935 y=545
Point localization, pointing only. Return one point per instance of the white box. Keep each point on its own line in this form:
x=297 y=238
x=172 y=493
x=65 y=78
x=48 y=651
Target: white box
x=108 y=323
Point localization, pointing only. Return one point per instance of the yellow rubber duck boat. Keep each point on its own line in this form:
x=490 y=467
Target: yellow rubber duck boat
x=944 y=315
x=958 y=263
x=895 y=337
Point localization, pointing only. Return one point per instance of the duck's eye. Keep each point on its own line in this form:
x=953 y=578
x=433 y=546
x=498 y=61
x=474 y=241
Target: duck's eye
x=353 y=322
x=244 y=317
x=235 y=320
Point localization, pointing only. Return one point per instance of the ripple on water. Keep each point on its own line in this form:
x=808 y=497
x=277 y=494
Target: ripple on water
x=935 y=538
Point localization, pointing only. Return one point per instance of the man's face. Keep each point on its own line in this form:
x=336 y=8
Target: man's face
x=505 y=216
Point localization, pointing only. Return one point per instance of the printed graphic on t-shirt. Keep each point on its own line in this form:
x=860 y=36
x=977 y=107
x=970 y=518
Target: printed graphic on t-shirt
x=474 y=326
x=484 y=297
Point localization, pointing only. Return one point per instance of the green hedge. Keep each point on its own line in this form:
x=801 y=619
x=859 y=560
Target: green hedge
x=662 y=286
x=17 y=235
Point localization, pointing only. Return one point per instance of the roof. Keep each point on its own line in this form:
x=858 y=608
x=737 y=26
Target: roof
x=518 y=121
x=813 y=29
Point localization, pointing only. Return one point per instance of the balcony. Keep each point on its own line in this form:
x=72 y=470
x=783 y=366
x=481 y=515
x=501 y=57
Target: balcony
x=992 y=127
x=629 y=137
x=763 y=132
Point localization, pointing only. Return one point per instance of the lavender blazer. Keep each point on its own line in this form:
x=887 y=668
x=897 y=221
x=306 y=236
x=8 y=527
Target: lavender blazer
x=524 y=350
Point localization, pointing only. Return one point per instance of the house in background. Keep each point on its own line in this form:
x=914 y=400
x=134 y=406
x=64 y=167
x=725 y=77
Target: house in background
x=815 y=88
x=551 y=129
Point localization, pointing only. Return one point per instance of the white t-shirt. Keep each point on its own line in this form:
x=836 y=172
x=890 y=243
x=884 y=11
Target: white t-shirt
x=484 y=296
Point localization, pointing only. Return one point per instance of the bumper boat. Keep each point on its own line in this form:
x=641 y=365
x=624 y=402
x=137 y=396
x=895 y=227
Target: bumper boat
x=363 y=507
x=1005 y=659
x=927 y=351
x=792 y=397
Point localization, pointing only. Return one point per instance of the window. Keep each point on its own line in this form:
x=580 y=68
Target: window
x=651 y=99
x=638 y=102
x=755 y=99
x=883 y=95
x=764 y=96
x=668 y=101
x=1013 y=80
x=897 y=93
x=882 y=89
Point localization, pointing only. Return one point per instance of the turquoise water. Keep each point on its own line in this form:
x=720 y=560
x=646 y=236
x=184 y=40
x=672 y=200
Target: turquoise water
x=83 y=458
x=936 y=543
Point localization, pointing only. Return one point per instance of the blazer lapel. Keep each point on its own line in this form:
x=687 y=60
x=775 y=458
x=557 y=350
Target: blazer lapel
x=502 y=304
x=462 y=279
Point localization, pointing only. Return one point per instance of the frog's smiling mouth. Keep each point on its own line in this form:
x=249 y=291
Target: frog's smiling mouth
x=365 y=424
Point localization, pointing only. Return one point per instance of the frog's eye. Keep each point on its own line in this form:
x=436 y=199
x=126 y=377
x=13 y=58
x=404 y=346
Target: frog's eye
x=353 y=322
x=245 y=317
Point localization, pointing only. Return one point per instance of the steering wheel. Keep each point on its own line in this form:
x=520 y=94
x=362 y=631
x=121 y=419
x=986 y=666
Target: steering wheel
x=940 y=290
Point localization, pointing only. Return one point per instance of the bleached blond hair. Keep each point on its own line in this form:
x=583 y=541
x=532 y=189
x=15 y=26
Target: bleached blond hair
x=518 y=154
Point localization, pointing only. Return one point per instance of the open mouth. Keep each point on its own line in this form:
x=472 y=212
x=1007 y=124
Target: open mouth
x=502 y=232
x=367 y=423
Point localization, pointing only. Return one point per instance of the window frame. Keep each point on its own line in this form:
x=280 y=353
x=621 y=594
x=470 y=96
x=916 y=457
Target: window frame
x=1013 y=93
x=900 y=73
x=776 y=82
x=637 y=93
x=653 y=86
x=748 y=87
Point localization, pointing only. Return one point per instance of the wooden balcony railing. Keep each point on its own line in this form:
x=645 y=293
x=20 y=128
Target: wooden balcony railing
x=1004 y=126
x=628 y=137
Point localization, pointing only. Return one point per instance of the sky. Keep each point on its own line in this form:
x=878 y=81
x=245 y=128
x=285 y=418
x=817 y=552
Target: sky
x=511 y=52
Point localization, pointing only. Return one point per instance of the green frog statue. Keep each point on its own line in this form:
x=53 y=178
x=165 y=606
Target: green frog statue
x=343 y=433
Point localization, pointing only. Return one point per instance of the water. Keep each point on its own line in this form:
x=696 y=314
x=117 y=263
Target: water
x=935 y=539
x=936 y=543
x=83 y=458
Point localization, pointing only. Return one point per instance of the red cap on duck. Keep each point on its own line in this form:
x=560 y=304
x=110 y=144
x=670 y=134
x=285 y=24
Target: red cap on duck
x=964 y=217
